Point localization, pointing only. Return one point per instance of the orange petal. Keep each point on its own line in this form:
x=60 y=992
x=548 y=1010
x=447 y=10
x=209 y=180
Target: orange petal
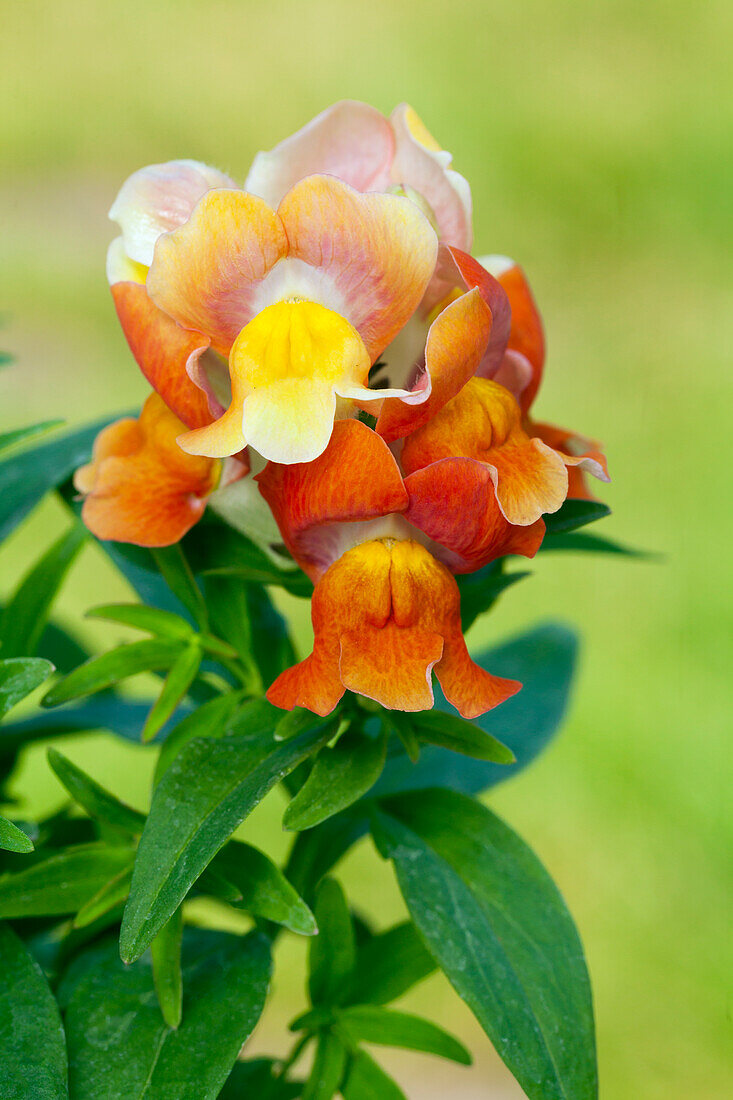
x=355 y=479
x=453 y=501
x=206 y=273
x=526 y=337
x=391 y=664
x=164 y=352
x=484 y=422
x=457 y=341
x=140 y=487
x=580 y=454
x=384 y=615
x=349 y=140
x=378 y=251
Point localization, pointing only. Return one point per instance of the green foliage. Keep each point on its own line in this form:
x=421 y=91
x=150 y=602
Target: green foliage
x=171 y=1021
x=208 y=791
x=26 y=613
x=21 y=435
x=13 y=839
x=340 y=775
x=119 y=1044
x=19 y=676
x=32 y=1043
x=63 y=882
x=497 y=926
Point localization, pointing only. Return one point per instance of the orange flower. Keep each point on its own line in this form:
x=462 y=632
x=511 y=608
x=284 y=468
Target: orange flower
x=385 y=610
x=140 y=487
x=275 y=316
x=521 y=373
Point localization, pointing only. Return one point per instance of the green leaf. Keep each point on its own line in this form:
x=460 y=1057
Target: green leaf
x=19 y=676
x=592 y=544
x=32 y=1044
x=340 y=776
x=389 y=964
x=20 y=435
x=227 y=552
x=574 y=514
x=264 y=891
x=26 y=612
x=258 y=1079
x=294 y=722
x=110 y=897
x=62 y=883
x=172 y=563
x=109 y=711
x=13 y=839
x=401 y=724
x=480 y=590
x=99 y=803
x=165 y=624
x=102 y=672
x=208 y=720
x=498 y=927
x=543 y=660
x=274 y=650
x=332 y=951
x=318 y=850
x=27 y=477
x=175 y=688
x=385 y=1027
x=207 y=792
x=451 y=732
x=328 y=1069
x=368 y=1081
x=119 y=1045
x=165 y=952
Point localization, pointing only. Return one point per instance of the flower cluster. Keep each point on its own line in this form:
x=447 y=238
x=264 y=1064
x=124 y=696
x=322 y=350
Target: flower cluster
x=325 y=333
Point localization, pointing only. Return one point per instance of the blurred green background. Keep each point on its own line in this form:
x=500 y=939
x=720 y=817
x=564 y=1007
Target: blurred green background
x=596 y=138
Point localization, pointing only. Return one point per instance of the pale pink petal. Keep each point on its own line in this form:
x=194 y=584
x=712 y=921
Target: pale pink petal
x=350 y=140
x=160 y=198
x=428 y=171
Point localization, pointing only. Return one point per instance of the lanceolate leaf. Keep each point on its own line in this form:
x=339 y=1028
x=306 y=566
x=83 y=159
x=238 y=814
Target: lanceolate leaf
x=543 y=660
x=102 y=672
x=175 y=687
x=62 y=883
x=172 y=563
x=332 y=951
x=19 y=435
x=264 y=890
x=121 y=1048
x=26 y=613
x=124 y=717
x=99 y=803
x=208 y=720
x=340 y=775
x=27 y=477
x=480 y=590
x=166 y=624
x=258 y=1079
x=389 y=964
x=165 y=952
x=209 y=789
x=328 y=1069
x=13 y=839
x=451 y=732
x=110 y=897
x=385 y=1027
x=32 y=1045
x=496 y=924
x=367 y=1081
x=574 y=514
x=318 y=850
x=19 y=676
x=589 y=543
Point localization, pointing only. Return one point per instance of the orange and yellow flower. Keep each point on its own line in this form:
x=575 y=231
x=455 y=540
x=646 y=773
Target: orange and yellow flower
x=140 y=486
x=385 y=610
x=300 y=301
